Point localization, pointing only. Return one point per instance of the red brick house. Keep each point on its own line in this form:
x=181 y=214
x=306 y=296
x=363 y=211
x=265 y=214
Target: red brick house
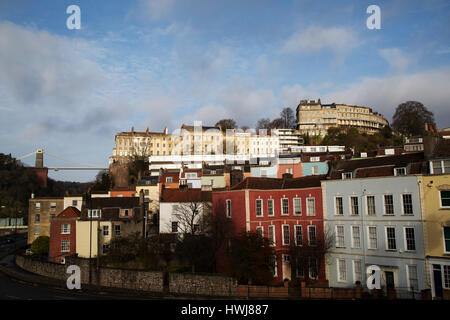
x=63 y=234
x=287 y=211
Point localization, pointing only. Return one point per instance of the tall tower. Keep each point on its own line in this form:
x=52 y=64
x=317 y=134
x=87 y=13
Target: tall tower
x=39 y=158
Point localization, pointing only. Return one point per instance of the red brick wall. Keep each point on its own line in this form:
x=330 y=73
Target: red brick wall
x=239 y=219
x=56 y=237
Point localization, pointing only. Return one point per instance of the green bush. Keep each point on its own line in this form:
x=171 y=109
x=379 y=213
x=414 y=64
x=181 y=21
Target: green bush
x=41 y=245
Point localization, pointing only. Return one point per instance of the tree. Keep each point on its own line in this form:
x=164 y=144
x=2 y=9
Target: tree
x=263 y=123
x=288 y=117
x=198 y=251
x=226 y=124
x=191 y=216
x=277 y=123
x=102 y=181
x=41 y=245
x=251 y=258
x=307 y=259
x=410 y=117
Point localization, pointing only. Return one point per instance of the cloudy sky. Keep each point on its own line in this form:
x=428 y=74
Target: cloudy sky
x=151 y=63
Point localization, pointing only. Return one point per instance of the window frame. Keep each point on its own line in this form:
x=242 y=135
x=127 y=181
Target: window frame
x=374 y=205
x=384 y=205
x=228 y=208
x=261 y=211
x=308 y=213
x=299 y=200
x=339 y=236
x=387 y=238
x=403 y=204
x=296 y=227
x=353 y=236
x=406 y=239
x=270 y=213
x=282 y=207
x=339 y=270
x=271 y=233
x=336 y=211
x=351 y=198
x=315 y=235
x=440 y=200
x=63 y=230
x=67 y=242
x=369 y=247
x=283 y=235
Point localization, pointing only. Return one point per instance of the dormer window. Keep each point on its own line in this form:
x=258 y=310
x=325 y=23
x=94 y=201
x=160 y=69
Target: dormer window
x=125 y=213
x=94 y=213
x=347 y=175
x=169 y=179
x=400 y=171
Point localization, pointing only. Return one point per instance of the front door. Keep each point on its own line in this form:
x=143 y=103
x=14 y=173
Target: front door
x=389 y=279
x=437 y=280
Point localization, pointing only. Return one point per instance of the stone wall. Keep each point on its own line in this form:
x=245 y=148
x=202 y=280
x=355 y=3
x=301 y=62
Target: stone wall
x=208 y=285
x=106 y=277
x=149 y=281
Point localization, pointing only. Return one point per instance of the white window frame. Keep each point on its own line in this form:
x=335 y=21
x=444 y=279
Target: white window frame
x=408 y=277
x=403 y=204
x=270 y=213
x=65 y=230
x=260 y=230
x=283 y=234
x=315 y=235
x=443 y=238
x=397 y=170
x=351 y=205
x=406 y=240
x=67 y=242
x=308 y=213
x=387 y=239
x=347 y=175
x=440 y=200
x=296 y=234
x=228 y=208
x=374 y=205
x=353 y=236
x=339 y=271
x=368 y=238
x=282 y=210
x=271 y=232
x=340 y=236
x=384 y=205
x=275 y=266
x=299 y=200
x=259 y=200
x=355 y=278
x=336 y=206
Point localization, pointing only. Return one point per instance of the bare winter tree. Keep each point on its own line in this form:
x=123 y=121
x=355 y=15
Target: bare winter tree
x=307 y=258
x=191 y=216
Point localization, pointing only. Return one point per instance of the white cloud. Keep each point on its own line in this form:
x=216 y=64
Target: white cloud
x=398 y=60
x=315 y=38
x=384 y=94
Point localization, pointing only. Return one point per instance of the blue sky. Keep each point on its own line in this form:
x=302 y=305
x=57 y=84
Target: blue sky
x=156 y=64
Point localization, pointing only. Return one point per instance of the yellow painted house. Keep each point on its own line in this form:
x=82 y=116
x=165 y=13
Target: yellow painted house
x=435 y=197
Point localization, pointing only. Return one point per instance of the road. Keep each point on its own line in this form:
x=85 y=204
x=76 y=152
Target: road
x=11 y=289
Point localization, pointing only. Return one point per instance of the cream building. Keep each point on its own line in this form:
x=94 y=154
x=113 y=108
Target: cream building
x=315 y=118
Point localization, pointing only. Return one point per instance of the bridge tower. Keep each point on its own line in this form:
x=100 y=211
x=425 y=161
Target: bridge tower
x=39 y=158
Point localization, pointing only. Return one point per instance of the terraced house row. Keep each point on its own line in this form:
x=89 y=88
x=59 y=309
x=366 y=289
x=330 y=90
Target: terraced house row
x=391 y=210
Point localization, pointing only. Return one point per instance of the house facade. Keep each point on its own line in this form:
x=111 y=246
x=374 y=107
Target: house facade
x=375 y=221
x=286 y=211
x=40 y=213
x=63 y=234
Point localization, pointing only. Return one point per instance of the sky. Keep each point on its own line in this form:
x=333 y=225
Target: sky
x=156 y=64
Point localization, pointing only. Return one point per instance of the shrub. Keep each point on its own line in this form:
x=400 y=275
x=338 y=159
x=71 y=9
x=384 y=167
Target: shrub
x=41 y=245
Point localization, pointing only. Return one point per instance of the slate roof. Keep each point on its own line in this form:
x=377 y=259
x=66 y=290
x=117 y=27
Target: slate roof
x=186 y=195
x=378 y=166
x=279 y=183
